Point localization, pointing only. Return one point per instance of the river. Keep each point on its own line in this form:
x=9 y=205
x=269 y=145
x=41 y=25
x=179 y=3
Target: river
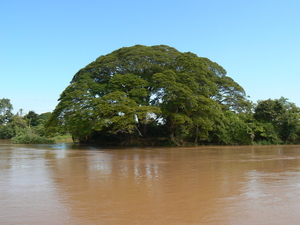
x=72 y=184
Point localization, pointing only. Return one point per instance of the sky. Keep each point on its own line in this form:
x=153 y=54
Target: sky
x=44 y=43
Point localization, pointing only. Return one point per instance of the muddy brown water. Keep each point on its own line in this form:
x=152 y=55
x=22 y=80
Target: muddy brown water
x=72 y=184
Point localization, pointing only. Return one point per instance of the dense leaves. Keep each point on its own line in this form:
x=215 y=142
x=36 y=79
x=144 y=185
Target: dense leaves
x=155 y=96
x=279 y=120
x=5 y=110
x=135 y=92
x=28 y=129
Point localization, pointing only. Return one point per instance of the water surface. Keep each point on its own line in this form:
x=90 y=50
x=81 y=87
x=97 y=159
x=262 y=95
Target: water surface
x=72 y=184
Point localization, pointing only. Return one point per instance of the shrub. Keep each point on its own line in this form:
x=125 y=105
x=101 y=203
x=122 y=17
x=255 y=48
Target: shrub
x=31 y=138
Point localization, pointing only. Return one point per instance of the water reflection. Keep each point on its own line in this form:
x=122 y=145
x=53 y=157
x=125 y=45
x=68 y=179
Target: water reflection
x=206 y=185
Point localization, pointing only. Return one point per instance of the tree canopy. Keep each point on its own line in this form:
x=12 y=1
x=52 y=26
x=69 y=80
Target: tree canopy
x=143 y=92
x=155 y=95
x=5 y=110
x=278 y=121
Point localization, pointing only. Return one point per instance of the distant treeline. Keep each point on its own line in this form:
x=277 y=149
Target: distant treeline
x=157 y=95
x=25 y=129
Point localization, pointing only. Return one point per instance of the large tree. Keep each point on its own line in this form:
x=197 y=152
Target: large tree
x=143 y=91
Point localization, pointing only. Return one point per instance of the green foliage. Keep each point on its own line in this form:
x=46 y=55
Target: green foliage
x=30 y=137
x=31 y=118
x=278 y=121
x=62 y=138
x=120 y=96
x=5 y=111
x=265 y=133
x=233 y=129
x=7 y=132
x=43 y=117
x=29 y=129
x=15 y=126
x=269 y=111
x=156 y=95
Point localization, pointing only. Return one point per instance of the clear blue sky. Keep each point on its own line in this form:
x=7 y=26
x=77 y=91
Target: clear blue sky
x=44 y=43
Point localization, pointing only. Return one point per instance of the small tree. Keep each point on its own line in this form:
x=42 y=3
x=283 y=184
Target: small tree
x=5 y=110
x=32 y=118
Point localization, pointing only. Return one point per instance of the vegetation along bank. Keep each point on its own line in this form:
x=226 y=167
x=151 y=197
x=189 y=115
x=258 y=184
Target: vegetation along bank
x=156 y=95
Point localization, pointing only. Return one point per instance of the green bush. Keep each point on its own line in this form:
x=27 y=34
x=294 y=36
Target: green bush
x=30 y=138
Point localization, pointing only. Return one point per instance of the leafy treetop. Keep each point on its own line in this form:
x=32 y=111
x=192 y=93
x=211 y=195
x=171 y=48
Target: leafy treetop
x=138 y=90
